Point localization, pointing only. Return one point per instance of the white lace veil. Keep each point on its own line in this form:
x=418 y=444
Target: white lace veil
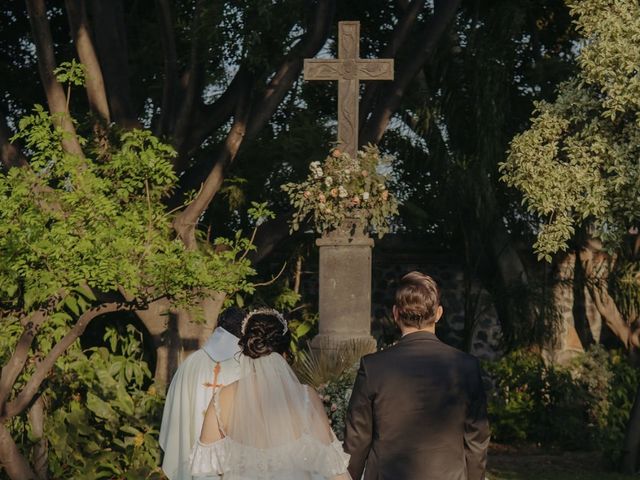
x=274 y=427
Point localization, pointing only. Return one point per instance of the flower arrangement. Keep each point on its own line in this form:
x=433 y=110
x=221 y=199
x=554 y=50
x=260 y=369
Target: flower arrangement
x=342 y=188
x=335 y=396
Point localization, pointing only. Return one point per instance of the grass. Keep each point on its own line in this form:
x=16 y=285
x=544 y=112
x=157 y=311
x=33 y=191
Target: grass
x=532 y=464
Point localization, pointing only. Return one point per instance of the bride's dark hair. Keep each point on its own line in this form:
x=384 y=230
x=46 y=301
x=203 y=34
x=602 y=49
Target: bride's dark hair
x=264 y=335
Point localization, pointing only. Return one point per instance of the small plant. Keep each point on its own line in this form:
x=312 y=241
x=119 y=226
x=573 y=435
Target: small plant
x=343 y=188
x=332 y=373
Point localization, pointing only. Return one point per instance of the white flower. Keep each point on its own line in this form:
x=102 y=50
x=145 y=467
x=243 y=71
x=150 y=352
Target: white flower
x=328 y=181
x=365 y=196
x=342 y=192
x=316 y=170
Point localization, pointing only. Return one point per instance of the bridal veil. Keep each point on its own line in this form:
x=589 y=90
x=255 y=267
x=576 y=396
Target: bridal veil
x=268 y=426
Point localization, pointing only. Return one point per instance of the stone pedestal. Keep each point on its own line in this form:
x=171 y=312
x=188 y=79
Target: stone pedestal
x=345 y=288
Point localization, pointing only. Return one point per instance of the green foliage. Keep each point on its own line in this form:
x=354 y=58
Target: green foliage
x=343 y=187
x=303 y=329
x=582 y=405
x=72 y=73
x=332 y=373
x=577 y=163
x=77 y=232
x=100 y=223
x=105 y=412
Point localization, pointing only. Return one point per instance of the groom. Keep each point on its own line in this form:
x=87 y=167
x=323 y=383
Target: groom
x=418 y=408
x=213 y=366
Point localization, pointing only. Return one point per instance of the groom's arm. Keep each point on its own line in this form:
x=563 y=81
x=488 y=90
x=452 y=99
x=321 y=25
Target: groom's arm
x=476 y=431
x=359 y=424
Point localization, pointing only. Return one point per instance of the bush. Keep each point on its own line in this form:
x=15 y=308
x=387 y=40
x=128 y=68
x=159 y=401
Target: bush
x=583 y=405
x=103 y=413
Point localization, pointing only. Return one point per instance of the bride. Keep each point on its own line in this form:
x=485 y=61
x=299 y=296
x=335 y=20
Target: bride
x=267 y=425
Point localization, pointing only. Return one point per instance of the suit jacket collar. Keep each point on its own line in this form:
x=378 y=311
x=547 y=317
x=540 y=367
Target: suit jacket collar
x=418 y=336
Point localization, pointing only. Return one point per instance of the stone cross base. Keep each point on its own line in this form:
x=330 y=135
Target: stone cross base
x=345 y=289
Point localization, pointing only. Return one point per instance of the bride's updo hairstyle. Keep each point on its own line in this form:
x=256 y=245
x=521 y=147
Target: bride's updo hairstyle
x=264 y=332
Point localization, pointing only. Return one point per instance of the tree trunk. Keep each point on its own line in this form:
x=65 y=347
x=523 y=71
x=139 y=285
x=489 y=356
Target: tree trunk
x=79 y=25
x=13 y=462
x=39 y=455
x=111 y=44
x=631 y=447
x=56 y=97
x=176 y=335
x=391 y=95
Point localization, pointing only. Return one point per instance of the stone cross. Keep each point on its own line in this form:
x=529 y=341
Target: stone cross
x=345 y=254
x=348 y=69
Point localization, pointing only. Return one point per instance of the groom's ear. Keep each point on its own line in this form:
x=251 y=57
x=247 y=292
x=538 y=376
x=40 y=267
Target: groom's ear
x=439 y=312
x=394 y=312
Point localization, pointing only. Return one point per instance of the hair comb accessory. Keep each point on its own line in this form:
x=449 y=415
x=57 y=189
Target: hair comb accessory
x=265 y=311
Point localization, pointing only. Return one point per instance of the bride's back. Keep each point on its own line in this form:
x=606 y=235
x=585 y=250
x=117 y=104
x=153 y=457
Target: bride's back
x=267 y=424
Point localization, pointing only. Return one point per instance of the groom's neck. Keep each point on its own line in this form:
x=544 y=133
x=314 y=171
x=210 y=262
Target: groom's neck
x=408 y=330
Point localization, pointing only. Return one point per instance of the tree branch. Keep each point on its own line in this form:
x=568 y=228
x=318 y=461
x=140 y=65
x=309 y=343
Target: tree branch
x=247 y=126
x=111 y=44
x=400 y=34
x=373 y=129
x=605 y=304
x=290 y=69
x=29 y=391
x=193 y=78
x=56 y=97
x=79 y=25
x=170 y=86
x=186 y=221
x=16 y=363
x=210 y=117
x=12 y=461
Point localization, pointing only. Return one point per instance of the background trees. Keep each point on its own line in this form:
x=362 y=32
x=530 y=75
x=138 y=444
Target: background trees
x=577 y=169
x=218 y=84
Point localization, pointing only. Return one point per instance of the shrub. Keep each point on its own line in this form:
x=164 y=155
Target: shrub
x=582 y=405
x=106 y=412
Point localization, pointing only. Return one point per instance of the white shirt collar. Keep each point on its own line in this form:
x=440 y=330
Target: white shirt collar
x=221 y=345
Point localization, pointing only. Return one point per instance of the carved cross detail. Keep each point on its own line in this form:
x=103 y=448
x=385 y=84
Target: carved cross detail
x=216 y=373
x=348 y=69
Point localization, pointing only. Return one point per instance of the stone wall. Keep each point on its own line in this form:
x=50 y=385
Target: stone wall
x=389 y=265
x=579 y=323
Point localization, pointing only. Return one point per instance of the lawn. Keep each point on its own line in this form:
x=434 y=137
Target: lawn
x=531 y=464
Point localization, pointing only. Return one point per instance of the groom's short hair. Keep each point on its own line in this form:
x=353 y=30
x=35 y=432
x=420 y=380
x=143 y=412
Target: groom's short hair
x=417 y=300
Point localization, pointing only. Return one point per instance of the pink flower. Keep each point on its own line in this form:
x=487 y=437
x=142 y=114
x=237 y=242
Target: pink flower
x=334 y=407
x=364 y=173
x=307 y=194
x=336 y=153
x=322 y=198
x=385 y=195
x=356 y=200
x=334 y=192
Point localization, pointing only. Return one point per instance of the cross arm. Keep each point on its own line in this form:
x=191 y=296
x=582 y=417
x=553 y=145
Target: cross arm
x=322 y=69
x=375 y=69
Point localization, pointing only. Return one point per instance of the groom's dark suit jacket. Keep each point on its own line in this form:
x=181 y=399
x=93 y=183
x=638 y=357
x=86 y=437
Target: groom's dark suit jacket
x=418 y=412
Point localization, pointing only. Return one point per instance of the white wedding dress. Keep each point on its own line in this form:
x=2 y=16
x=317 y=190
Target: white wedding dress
x=268 y=426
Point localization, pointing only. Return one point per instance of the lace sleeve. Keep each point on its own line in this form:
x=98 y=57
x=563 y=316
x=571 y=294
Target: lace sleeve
x=209 y=458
